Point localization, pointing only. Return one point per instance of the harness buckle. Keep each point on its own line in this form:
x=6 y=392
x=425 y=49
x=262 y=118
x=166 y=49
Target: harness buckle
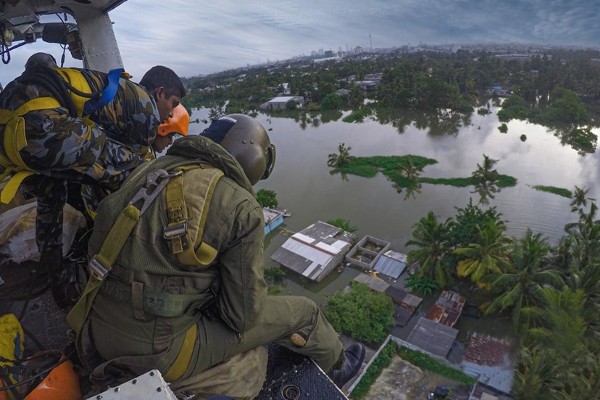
x=97 y=270
x=176 y=235
x=155 y=183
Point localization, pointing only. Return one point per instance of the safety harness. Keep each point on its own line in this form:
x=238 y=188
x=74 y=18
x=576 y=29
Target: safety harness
x=81 y=101
x=183 y=234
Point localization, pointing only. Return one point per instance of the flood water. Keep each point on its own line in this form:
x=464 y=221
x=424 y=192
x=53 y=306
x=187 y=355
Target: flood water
x=304 y=185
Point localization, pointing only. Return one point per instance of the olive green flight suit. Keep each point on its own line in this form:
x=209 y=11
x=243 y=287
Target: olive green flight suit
x=150 y=300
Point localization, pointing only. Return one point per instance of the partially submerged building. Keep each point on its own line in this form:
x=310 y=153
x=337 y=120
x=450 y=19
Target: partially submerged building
x=391 y=263
x=281 y=103
x=366 y=252
x=315 y=251
x=374 y=283
x=432 y=337
x=447 y=308
x=273 y=218
x=406 y=304
x=492 y=360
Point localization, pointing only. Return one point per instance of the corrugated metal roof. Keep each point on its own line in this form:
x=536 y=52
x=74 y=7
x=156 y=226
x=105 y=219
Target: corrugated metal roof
x=390 y=266
x=447 y=308
x=433 y=337
x=313 y=251
x=401 y=297
x=373 y=282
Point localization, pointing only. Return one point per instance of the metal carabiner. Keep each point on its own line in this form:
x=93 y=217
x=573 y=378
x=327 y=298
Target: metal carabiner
x=155 y=183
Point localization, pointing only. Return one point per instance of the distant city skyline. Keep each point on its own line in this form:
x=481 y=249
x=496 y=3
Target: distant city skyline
x=199 y=39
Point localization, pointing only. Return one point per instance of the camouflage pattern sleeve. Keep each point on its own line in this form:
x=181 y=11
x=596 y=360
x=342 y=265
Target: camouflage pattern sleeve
x=77 y=150
x=132 y=117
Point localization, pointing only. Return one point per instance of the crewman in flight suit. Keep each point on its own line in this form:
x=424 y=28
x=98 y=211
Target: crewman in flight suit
x=178 y=285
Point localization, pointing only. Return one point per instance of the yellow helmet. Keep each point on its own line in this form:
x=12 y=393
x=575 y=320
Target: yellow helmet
x=178 y=123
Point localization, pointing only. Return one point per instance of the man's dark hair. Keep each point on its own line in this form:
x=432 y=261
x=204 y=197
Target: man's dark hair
x=158 y=76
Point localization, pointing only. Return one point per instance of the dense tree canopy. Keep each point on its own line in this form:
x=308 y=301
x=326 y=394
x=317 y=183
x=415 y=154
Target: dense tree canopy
x=361 y=313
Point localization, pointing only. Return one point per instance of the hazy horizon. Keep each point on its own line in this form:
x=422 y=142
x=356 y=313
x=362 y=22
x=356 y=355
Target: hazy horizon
x=196 y=39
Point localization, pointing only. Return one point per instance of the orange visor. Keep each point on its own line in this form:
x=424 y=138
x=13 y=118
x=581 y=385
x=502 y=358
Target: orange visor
x=178 y=123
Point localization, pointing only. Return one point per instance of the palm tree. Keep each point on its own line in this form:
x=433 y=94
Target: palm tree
x=486 y=179
x=216 y=112
x=579 y=199
x=488 y=255
x=340 y=159
x=431 y=238
x=410 y=170
x=343 y=224
x=585 y=238
x=534 y=375
x=562 y=332
x=560 y=321
x=529 y=272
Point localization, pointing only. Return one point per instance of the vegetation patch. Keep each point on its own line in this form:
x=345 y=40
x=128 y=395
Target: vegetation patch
x=391 y=166
x=361 y=314
x=383 y=360
x=356 y=116
x=267 y=198
x=555 y=190
x=404 y=170
x=503 y=181
x=426 y=362
x=343 y=224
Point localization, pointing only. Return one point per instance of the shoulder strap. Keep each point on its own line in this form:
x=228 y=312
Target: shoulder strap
x=107 y=95
x=177 y=231
x=101 y=264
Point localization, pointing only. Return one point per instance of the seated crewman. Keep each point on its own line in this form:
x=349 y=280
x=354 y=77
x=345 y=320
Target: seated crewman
x=183 y=289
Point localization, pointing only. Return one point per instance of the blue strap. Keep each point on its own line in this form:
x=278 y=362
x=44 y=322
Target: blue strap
x=107 y=95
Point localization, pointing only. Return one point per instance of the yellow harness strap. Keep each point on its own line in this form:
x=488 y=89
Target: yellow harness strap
x=14 y=141
x=177 y=230
x=181 y=363
x=113 y=243
x=76 y=79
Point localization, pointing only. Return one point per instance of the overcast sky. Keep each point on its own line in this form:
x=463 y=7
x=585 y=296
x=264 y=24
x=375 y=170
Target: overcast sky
x=202 y=37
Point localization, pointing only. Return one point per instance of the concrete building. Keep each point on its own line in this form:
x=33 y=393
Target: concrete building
x=281 y=103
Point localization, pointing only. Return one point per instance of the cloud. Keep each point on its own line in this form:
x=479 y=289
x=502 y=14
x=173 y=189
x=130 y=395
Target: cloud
x=196 y=39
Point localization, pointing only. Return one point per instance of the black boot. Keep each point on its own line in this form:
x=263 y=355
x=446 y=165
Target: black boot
x=354 y=356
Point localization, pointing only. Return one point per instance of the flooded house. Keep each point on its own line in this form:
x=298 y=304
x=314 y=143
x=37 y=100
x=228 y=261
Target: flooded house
x=315 y=251
x=492 y=360
x=406 y=304
x=391 y=263
x=447 y=308
x=432 y=337
x=273 y=218
x=366 y=252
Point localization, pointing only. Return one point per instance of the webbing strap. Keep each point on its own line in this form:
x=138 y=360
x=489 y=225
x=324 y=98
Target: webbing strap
x=101 y=263
x=114 y=242
x=176 y=230
x=108 y=94
x=10 y=189
x=177 y=215
x=15 y=140
x=177 y=369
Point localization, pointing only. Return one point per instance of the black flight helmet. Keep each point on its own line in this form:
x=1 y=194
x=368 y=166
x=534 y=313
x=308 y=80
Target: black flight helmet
x=247 y=141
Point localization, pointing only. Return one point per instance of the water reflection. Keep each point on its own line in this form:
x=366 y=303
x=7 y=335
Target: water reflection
x=305 y=185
